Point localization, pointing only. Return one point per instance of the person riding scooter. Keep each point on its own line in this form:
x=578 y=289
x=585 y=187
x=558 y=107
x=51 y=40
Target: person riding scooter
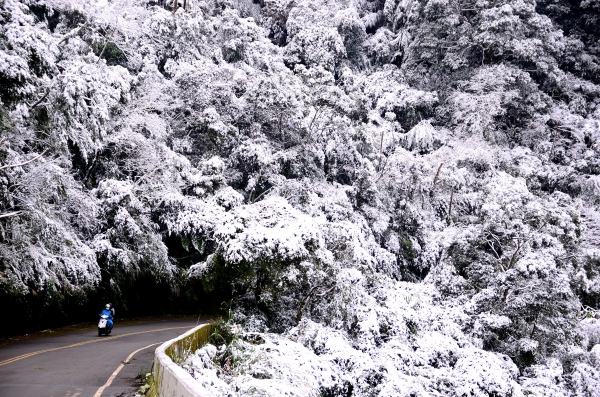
x=109 y=319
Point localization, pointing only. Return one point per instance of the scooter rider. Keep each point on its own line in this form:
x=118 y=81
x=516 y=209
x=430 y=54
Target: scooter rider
x=109 y=313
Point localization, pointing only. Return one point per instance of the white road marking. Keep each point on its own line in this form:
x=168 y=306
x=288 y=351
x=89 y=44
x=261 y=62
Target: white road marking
x=114 y=374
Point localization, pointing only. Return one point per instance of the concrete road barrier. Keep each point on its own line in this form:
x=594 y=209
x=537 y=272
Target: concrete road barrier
x=169 y=379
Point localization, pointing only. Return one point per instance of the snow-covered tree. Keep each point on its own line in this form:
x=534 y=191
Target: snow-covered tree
x=404 y=194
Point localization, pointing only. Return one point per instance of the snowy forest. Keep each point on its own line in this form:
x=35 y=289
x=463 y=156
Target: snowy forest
x=383 y=198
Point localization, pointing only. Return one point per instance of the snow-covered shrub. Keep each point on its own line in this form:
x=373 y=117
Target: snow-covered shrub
x=420 y=137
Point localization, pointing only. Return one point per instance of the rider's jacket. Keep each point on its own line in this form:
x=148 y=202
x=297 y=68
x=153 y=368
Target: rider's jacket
x=107 y=313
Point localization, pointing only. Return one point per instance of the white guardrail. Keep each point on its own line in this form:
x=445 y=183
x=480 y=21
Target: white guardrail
x=169 y=379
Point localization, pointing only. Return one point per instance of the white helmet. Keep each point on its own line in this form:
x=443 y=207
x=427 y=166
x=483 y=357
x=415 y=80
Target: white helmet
x=107 y=307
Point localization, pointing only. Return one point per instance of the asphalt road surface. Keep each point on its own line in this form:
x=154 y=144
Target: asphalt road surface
x=79 y=364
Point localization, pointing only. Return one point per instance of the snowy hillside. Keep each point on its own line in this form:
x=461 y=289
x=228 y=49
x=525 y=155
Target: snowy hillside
x=393 y=198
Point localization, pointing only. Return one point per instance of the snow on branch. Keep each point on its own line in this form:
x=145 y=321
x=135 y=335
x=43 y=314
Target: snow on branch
x=22 y=164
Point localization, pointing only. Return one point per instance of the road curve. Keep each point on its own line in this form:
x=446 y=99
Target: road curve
x=79 y=364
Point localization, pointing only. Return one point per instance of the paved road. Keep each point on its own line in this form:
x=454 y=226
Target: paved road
x=79 y=363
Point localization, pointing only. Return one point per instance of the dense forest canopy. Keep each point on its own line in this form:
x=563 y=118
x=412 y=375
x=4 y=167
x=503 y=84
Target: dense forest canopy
x=405 y=192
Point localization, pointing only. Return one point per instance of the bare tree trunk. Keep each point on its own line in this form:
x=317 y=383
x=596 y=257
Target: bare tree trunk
x=381 y=142
x=185 y=4
x=279 y=123
x=435 y=180
x=305 y=302
x=513 y=258
x=450 y=205
x=317 y=111
x=505 y=296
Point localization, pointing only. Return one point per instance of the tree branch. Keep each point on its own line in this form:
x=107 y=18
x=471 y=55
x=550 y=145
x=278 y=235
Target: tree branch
x=317 y=111
x=22 y=164
x=72 y=33
x=10 y=214
x=307 y=298
x=40 y=100
x=102 y=52
x=382 y=170
x=493 y=249
x=262 y=194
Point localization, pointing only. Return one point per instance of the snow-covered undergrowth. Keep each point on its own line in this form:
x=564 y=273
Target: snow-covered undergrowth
x=423 y=352
x=398 y=197
x=426 y=351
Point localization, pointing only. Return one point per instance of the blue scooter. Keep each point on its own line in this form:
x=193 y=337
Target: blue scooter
x=105 y=324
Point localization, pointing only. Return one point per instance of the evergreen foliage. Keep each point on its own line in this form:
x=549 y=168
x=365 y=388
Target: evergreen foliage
x=404 y=193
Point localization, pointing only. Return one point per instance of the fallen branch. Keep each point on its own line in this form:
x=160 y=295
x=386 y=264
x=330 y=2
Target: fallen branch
x=22 y=164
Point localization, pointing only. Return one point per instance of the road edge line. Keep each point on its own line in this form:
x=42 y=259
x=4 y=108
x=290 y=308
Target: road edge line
x=119 y=368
